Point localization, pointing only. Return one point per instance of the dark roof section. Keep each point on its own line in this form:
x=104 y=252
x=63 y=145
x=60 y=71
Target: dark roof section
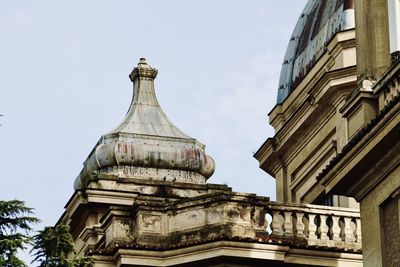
x=317 y=25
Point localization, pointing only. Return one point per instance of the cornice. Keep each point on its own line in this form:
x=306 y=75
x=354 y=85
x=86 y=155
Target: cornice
x=341 y=41
x=370 y=137
x=327 y=93
x=323 y=93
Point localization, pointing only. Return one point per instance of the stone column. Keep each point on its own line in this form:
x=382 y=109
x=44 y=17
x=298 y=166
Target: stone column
x=372 y=35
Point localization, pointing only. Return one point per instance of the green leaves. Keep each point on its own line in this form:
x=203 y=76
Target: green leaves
x=15 y=225
x=53 y=243
x=54 y=247
x=14 y=215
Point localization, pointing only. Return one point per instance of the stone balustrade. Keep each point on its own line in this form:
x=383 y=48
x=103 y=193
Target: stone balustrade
x=388 y=87
x=237 y=217
x=391 y=90
x=317 y=225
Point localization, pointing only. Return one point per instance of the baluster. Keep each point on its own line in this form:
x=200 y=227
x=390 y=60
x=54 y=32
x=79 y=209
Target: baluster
x=268 y=223
x=348 y=232
x=276 y=224
x=264 y=223
x=288 y=225
x=395 y=88
x=312 y=227
x=358 y=230
x=299 y=224
x=336 y=228
x=324 y=228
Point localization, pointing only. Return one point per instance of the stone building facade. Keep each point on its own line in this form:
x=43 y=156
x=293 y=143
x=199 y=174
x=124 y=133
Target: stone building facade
x=142 y=198
x=336 y=130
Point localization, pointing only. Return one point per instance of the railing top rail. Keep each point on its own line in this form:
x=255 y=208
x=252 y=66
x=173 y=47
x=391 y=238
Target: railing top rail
x=314 y=209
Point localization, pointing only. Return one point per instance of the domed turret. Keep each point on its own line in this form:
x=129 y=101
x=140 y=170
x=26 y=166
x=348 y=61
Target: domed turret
x=317 y=25
x=146 y=145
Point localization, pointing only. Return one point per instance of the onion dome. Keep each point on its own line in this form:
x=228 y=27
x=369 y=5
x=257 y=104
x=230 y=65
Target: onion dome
x=146 y=145
x=317 y=25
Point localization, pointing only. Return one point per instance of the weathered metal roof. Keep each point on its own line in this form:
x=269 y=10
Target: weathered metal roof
x=317 y=25
x=147 y=145
x=145 y=115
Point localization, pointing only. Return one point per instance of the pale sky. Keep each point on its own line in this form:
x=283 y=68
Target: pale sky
x=64 y=82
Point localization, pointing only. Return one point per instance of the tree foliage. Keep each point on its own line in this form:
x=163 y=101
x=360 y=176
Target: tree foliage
x=54 y=247
x=15 y=224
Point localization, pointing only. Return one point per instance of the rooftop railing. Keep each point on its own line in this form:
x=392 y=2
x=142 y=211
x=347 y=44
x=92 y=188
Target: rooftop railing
x=250 y=218
x=388 y=86
x=316 y=225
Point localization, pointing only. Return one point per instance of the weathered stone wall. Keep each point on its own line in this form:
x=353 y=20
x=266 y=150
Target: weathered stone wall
x=373 y=244
x=390 y=221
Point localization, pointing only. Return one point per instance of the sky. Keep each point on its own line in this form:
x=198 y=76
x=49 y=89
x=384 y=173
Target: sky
x=64 y=69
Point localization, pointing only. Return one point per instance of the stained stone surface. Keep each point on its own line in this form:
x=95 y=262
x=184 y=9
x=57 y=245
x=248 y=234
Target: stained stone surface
x=146 y=144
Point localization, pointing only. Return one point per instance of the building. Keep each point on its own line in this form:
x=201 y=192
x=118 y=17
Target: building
x=142 y=198
x=336 y=123
x=318 y=75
